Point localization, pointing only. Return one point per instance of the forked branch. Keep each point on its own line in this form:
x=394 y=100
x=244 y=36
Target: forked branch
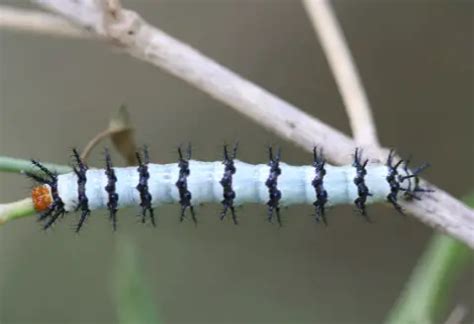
x=345 y=72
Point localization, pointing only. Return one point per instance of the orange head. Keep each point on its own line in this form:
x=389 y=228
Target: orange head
x=42 y=198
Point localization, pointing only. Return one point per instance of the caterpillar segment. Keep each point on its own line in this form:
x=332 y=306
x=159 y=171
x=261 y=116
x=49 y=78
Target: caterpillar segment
x=230 y=183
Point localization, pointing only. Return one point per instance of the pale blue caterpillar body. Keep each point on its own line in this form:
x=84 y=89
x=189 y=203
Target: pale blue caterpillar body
x=230 y=183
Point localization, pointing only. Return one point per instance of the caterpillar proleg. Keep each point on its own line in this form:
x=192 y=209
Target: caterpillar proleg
x=229 y=182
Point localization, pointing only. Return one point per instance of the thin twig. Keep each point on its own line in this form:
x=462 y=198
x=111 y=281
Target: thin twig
x=121 y=133
x=39 y=22
x=345 y=71
x=93 y=143
x=141 y=40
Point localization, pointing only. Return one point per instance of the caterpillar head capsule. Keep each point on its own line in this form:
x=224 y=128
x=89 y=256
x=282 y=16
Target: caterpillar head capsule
x=42 y=197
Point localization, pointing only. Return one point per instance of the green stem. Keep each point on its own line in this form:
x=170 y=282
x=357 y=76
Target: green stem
x=17 y=209
x=8 y=164
x=427 y=291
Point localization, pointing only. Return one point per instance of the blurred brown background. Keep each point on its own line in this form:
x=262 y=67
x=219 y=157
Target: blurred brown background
x=416 y=61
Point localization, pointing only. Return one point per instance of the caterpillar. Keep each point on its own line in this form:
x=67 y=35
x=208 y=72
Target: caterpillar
x=229 y=182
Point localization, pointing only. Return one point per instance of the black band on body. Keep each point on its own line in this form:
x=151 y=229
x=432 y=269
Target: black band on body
x=272 y=184
x=318 y=184
x=112 y=203
x=362 y=189
x=56 y=208
x=58 y=205
x=182 y=185
x=226 y=182
x=142 y=187
x=83 y=202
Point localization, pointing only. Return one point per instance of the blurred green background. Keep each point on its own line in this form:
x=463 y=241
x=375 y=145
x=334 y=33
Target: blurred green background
x=416 y=61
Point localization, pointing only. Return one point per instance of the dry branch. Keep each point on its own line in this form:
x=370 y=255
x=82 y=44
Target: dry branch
x=344 y=70
x=38 y=22
x=135 y=36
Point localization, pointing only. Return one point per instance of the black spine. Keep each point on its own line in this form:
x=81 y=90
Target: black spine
x=110 y=188
x=83 y=202
x=272 y=185
x=392 y=179
x=412 y=181
x=182 y=185
x=226 y=182
x=318 y=184
x=362 y=189
x=46 y=178
x=142 y=187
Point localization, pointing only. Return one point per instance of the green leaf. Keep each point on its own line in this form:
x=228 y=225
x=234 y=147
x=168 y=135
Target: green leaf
x=133 y=298
x=425 y=295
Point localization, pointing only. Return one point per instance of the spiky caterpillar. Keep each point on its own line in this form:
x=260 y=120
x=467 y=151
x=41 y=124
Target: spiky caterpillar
x=229 y=182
